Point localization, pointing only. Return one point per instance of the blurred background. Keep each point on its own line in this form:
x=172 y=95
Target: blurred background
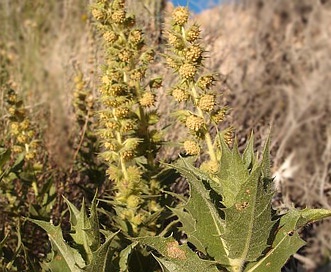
x=198 y=5
x=273 y=60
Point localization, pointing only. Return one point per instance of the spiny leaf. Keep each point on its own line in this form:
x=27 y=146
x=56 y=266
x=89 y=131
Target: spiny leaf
x=177 y=258
x=248 y=221
x=203 y=224
x=101 y=261
x=232 y=175
x=287 y=240
x=85 y=230
x=69 y=258
x=4 y=157
x=124 y=257
x=248 y=155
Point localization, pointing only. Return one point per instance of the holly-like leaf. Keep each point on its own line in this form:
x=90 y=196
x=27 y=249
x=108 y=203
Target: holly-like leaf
x=85 y=230
x=124 y=256
x=64 y=257
x=201 y=221
x=287 y=240
x=175 y=257
x=232 y=175
x=102 y=257
x=248 y=155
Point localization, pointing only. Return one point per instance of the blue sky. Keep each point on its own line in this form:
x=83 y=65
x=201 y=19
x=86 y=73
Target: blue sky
x=196 y=5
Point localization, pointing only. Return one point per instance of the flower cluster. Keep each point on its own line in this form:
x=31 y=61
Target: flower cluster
x=84 y=107
x=23 y=134
x=127 y=116
x=83 y=100
x=186 y=56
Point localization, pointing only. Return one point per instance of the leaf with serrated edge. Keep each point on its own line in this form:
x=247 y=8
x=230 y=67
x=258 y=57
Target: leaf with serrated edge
x=249 y=219
x=203 y=225
x=101 y=261
x=71 y=257
x=287 y=241
x=232 y=175
x=248 y=155
x=177 y=258
x=124 y=256
x=85 y=230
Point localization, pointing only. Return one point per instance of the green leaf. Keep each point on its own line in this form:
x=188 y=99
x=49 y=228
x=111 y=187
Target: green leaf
x=64 y=257
x=177 y=258
x=102 y=257
x=287 y=240
x=232 y=175
x=249 y=219
x=4 y=157
x=124 y=256
x=85 y=230
x=201 y=222
x=248 y=155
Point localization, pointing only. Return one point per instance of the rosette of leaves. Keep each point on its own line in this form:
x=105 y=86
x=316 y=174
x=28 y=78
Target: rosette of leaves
x=229 y=220
x=194 y=88
x=127 y=117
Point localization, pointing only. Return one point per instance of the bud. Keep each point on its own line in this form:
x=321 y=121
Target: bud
x=121 y=112
x=148 y=100
x=98 y=14
x=110 y=36
x=133 y=201
x=193 y=53
x=125 y=55
x=118 y=16
x=194 y=123
x=180 y=15
x=207 y=102
x=180 y=94
x=206 y=82
x=187 y=71
x=191 y=147
x=136 y=37
x=193 y=33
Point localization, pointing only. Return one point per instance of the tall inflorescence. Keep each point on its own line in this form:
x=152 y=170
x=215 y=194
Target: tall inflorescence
x=194 y=88
x=128 y=115
x=21 y=130
x=84 y=107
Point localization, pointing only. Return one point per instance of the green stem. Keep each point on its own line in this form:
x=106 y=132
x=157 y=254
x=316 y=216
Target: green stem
x=207 y=135
x=122 y=162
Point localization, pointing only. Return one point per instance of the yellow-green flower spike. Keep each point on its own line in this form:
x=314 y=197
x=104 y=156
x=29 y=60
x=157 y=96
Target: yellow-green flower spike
x=126 y=98
x=185 y=56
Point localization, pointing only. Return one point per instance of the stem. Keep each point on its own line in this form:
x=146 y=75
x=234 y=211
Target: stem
x=122 y=163
x=207 y=135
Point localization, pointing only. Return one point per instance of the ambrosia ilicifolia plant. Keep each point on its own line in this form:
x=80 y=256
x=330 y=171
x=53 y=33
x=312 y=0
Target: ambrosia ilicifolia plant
x=195 y=89
x=228 y=219
x=227 y=223
x=126 y=118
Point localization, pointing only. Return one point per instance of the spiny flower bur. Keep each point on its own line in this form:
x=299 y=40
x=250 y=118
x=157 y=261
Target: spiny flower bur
x=22 y=130
x=128 y=100
x=185 y=56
